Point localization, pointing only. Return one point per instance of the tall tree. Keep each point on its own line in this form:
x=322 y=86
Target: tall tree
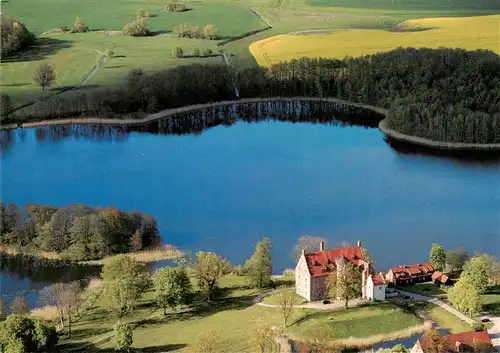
x=456 y=259
x=123 y=336
x=124 y=280
x=476 y=272
x=19 y=306
x=437 y=257
x=259 y=266
x=208 y=270
x=465 y=296
x=286 y=304
x=172 y=287
x=308 y=243
x=345 y=282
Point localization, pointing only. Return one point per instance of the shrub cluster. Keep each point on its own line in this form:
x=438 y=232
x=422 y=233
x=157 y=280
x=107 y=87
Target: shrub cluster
x=142 y=14
x=176 y=7
x=79 y=26
x=14 y=36
x=189 y=30
x=195 y=53
x=137 y=28
x=78 y=231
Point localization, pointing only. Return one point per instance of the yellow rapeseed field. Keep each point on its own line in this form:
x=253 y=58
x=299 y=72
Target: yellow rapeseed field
x=479 y=32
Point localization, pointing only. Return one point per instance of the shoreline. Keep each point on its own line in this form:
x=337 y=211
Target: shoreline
x=128 y=122
x=435 y=144
x=173 y=111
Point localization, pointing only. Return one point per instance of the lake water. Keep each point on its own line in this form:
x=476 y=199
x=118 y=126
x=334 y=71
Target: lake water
x=226 y=188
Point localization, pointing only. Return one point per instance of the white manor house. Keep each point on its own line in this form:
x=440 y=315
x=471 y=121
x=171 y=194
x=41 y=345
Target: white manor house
x=313 y=269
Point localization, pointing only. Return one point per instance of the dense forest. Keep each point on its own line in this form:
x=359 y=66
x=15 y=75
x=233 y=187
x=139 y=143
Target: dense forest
x=459 y=81
x=77 y=231
x=14 y=35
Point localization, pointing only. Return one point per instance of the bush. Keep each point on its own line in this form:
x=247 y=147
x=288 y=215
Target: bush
x=207 y=53
x=26 y=334
x=64 y=29
x=210 y=32
x=142 y=14
x=188 y=30
x=177 y=52
x=137 y=28
x=79 y=26
x=195 y=52
x=176 y=8
x=123 y=337
x=14 y=35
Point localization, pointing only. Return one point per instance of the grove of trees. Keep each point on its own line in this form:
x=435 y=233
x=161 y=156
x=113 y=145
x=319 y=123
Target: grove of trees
x=20 y=333
x=77 y=231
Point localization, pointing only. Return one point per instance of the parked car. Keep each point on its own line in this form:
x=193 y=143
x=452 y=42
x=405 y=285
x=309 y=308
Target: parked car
x=485 y=319
x=326 y=302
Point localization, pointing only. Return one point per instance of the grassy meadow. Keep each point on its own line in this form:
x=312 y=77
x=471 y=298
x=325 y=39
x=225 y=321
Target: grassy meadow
x=467 y=32
x=233 y=315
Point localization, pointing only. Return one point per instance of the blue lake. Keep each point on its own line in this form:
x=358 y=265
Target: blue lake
x=224 y=189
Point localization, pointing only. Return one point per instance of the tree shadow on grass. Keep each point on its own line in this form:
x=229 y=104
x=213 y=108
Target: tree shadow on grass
x=42 y=48
x=15 y=84
x=88 y=332
x=91 y=348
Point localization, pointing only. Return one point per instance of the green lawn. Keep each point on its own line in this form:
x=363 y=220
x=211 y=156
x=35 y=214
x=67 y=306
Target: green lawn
x=428 y=289
x=234 y=316
x=359 y=322
x=443 y=318
x=42 y=15
x=491 y=300
x=272 y=298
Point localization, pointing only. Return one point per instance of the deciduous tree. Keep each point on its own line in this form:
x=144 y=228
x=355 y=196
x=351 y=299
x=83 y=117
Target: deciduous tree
x=433 y=341
x=345 y=282
x=437 y=257
x=308 y=243
x=208 y=270
x=476 y=271
x=465 y=296
x=263 y=337
x=124 y=280
x=44 y=75
x=123 y=336
x=211 y=341
x=19 y=306
x=19 y=333
x=259 y=266
x=172 y=287
x=210 y=32
x=456 y=259
x=286 y=304
x=79 y=26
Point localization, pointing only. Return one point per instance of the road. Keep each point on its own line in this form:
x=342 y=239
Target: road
x=422 y=298
x=495 y=332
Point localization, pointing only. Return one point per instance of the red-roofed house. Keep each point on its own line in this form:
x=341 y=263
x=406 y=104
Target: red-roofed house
x=410 y=274
x=440 y=278
x=313 y=269
x=469 y=341
x=375 y=287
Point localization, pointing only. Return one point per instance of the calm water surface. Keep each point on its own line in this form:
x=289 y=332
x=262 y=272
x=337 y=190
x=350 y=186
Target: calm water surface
x=226 y=188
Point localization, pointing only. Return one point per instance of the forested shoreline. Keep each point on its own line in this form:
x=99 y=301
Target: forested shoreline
x=77 y=232
x=440 y=94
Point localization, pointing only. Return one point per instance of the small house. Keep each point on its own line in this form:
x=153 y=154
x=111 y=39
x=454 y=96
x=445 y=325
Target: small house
x=409 y=274
x=439 y=278
x=375 y=287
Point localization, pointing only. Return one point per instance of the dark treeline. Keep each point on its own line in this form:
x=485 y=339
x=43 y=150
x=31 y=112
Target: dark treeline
x=446 y=77
x=77 y=231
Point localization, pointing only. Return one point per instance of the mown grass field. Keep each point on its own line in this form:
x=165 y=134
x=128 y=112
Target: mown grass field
x=428 y=289
x=42 y=15
x=73 y=56
x=442 y=318
x=468 y=33
x=233 y=317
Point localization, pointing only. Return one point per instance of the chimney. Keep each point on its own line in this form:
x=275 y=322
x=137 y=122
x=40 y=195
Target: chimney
x=322 y=245
x=359 y=243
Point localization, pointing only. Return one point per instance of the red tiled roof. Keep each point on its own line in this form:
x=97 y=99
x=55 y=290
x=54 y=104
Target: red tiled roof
x=440 y=276
x=467 y=338
x=409 y=271
x=454 y=341
x=378 y=280
x=322 y=263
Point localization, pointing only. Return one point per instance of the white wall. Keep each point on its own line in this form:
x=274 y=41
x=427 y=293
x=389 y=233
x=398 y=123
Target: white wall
x=302 y=279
